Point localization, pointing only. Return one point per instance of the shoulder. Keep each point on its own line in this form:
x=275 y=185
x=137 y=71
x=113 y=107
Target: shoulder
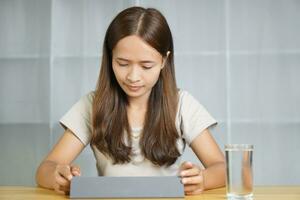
x=193 y=116
x=183 y=93
x=185 y=98
x=78 y=118
x=88 y=98
x=189 y=107
x=86 y=101
x=83 y=107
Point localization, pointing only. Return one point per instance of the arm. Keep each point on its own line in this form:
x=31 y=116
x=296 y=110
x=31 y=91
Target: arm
x=195 y=179
x=55 y=172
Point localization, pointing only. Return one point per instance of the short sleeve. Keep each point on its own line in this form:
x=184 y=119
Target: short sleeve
x=194 y=117
x=78 y=118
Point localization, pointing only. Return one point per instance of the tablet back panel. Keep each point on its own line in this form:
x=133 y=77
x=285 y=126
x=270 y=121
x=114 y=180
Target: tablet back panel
x=126 y=187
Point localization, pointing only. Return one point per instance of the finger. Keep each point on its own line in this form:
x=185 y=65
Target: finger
x=186 y=165
x=64 y=188
x=58 y=190
x=65 y=172
x=61 y=189
x=190 y=188
x=75 y=167
x=61 y=180
x=75 y=170
x=192 y=180
x=196 y=192
x=76 y=173
x=190 y=172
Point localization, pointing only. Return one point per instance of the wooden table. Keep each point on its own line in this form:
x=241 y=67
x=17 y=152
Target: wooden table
x=260 y=193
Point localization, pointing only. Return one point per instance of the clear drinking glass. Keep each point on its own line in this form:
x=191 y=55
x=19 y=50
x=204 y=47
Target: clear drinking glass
x=239 y=180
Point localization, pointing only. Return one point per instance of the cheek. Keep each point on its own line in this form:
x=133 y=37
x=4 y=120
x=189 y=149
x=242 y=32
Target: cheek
x=153 y=78
x=116 y=73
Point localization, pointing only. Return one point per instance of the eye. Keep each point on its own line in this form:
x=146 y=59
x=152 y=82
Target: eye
x=147 y=67
x=123 y=64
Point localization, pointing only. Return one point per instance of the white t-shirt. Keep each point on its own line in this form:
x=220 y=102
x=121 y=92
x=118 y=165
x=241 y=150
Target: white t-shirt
x=191 y=119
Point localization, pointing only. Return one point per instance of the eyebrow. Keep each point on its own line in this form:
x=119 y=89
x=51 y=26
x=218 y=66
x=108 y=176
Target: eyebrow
x=143 y=61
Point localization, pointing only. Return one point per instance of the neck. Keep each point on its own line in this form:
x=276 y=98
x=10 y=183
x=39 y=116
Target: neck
x=139 y=103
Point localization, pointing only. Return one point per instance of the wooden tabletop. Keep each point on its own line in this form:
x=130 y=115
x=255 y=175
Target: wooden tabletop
x=260 y=193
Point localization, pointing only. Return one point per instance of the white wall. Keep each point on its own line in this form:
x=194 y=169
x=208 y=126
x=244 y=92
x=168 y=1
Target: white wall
x=239 y=58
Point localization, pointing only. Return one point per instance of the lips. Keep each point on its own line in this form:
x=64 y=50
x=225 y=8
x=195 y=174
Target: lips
x=133 y=87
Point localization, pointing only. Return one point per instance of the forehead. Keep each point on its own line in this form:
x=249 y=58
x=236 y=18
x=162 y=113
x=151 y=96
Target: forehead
x=135 y=49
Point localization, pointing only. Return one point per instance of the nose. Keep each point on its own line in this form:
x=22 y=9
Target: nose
x=133 y=74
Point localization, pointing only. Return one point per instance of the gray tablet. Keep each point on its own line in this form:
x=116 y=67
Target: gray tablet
x=126 y=187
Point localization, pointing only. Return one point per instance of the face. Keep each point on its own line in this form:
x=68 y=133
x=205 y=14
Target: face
x=136 y=66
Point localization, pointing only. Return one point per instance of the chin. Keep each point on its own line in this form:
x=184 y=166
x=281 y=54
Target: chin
x=136 y=94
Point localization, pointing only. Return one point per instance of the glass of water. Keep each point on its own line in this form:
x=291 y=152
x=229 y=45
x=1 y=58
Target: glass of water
x=239 y=173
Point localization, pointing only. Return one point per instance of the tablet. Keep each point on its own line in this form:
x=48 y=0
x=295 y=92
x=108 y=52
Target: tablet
x=126 y=187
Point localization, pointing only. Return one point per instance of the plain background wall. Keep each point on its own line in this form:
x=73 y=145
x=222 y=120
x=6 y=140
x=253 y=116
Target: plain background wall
x=239 y=58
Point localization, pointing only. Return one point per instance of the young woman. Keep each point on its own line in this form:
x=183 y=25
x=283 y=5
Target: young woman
x=137 y=122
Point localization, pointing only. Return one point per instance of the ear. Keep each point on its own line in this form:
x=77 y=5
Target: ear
x=165 y=59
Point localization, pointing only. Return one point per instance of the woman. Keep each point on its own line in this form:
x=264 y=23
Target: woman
x=137 y=121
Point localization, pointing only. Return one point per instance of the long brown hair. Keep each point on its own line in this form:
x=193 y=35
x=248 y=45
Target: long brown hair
x=111 y=129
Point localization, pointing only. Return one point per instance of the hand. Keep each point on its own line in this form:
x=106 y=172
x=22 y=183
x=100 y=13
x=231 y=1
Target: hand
x=63 y=175
x=192 y=178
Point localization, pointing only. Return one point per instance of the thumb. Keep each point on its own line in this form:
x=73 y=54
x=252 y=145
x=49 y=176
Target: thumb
x=75 y=170
x=65 y=172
